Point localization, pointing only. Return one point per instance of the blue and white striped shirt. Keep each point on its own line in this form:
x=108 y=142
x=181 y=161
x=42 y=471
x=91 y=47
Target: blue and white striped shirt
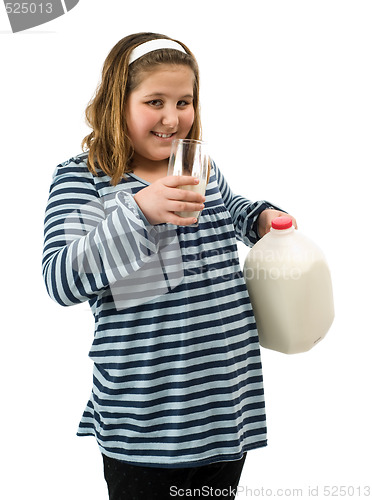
x=177 y=377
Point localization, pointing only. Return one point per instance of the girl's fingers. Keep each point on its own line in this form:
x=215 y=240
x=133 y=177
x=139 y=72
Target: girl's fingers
x=180 y=180
x=181 y=221
x=184 y=206
x=183 y=194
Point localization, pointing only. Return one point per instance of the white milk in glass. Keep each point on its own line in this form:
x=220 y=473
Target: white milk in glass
x=197 y=188
x=190 y=157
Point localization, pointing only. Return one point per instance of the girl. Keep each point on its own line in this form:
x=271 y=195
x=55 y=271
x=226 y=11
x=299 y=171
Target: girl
x=177 y=395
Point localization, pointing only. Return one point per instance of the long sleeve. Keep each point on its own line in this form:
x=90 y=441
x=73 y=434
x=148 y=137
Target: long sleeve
x=244 y=213
x=85 y=250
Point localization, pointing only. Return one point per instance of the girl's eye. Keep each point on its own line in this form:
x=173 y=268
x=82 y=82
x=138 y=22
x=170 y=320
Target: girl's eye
x=155 y=103
x=183 y=104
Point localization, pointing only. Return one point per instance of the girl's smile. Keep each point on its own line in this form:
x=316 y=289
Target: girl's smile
x=159 y=110
x=163 y=136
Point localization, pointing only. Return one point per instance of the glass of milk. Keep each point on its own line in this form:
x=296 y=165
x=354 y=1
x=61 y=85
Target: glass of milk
x=190 y=157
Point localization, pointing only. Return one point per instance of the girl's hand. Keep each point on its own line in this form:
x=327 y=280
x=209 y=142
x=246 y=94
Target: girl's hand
x=265 y=218
x=161 y=199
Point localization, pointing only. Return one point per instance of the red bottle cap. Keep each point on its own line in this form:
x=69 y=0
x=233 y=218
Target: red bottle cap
x=281 y=222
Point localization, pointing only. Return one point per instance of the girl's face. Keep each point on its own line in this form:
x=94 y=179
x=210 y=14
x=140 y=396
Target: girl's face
x=159 y=110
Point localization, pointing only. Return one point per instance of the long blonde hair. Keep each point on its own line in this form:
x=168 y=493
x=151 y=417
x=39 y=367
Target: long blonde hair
x=110 y=148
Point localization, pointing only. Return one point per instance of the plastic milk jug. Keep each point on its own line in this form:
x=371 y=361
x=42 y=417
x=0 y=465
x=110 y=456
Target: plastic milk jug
x=290 y=288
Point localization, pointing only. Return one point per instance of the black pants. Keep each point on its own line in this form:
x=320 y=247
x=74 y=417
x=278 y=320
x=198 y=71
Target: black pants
x=129 y=482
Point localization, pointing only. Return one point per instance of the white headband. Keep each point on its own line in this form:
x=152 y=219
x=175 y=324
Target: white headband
x=152 y=45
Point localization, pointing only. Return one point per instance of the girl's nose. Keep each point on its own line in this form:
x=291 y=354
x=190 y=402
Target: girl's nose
x=170 y=118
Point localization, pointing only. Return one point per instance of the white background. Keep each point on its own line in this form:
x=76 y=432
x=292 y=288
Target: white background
x=287 y=109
